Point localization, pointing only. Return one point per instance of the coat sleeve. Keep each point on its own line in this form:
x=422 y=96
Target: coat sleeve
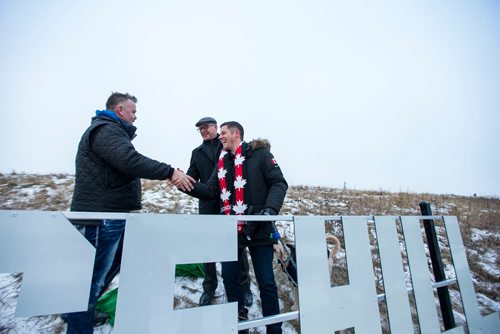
x=208 y=190
x=193 y=169
x=112 y=145
x=275 y=181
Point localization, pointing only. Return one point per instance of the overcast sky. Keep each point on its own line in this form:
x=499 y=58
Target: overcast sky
x=391 y=95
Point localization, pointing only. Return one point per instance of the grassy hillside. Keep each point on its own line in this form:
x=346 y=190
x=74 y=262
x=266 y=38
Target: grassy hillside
x=479 y=219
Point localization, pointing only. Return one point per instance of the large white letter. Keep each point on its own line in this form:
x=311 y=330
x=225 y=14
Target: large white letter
x=55 y=258
x=396 y=294
x=475 y=323
x=324 y=309
x=153 y=245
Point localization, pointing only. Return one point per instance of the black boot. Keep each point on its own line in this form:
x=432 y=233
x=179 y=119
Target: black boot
x=206 y=298
x=100 y=318
x=248 y=297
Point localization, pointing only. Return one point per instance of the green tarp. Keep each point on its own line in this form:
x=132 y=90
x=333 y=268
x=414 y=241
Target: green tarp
x=189 y=270
x=107 y=302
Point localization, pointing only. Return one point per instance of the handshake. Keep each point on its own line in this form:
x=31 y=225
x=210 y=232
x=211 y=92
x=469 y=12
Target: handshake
x=250 y=226
x=182 y=181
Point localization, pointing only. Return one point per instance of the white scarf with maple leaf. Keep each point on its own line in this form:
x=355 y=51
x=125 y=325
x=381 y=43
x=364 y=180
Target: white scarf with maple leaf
x=239 y=185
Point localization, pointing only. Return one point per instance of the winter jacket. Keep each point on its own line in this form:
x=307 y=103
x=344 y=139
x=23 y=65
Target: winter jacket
x=108 y=168
x=203 y=160
x=265 y=188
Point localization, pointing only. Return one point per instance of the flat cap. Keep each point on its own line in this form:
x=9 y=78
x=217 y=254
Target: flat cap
x=205 y=120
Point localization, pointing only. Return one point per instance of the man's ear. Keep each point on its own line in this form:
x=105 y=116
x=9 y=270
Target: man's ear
x=119 y=111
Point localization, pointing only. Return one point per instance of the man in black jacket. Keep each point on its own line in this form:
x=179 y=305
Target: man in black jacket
x=203 y=160
x=107 y=179
x=248 y=181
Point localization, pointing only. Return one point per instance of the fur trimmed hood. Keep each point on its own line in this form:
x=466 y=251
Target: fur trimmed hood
x=260 y=143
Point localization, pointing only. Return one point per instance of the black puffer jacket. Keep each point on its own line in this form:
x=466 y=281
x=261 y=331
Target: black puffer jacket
x=203 y=160
x=265 y=188
x=108 y=168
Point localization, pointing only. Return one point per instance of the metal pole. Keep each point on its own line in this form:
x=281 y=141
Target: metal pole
x=437 y=267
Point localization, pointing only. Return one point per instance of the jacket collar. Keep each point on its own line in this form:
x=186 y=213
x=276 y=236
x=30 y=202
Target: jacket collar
x=209 y=146
x=211 y=141
x=111 y=116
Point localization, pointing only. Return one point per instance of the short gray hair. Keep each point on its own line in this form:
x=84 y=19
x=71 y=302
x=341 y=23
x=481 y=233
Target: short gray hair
x=117 y=98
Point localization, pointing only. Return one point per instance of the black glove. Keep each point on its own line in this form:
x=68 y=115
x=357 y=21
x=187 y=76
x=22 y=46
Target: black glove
x=250 y=226
x=267 y=212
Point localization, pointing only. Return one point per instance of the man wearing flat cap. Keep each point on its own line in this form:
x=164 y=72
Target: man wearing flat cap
x=203 y=161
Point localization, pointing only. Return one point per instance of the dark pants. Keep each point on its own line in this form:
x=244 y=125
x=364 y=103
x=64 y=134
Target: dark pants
x=262 y=260
x=105 y=238
x=210 y=280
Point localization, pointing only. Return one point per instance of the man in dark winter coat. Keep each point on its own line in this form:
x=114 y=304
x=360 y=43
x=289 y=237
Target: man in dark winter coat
x=248 y=181
x=203 y=160
x=107 y=179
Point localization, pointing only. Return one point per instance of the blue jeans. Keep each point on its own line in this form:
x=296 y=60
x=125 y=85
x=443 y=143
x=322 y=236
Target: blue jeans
x=262 y=260
x=105 y=238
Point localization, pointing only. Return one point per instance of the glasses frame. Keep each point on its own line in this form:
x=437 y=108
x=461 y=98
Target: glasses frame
x=204 y=127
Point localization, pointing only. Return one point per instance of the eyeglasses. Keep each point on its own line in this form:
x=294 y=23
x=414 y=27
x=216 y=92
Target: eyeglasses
x=204 y=127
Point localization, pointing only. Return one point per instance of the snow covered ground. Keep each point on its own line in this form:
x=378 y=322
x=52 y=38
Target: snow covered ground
x=479 y=218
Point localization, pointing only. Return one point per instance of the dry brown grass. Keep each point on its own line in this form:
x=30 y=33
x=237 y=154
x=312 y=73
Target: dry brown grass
x=53 y=192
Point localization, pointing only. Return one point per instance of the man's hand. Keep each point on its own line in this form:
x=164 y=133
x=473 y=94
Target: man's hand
x=182 y=181
x=250 y=226
x=267 y=212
